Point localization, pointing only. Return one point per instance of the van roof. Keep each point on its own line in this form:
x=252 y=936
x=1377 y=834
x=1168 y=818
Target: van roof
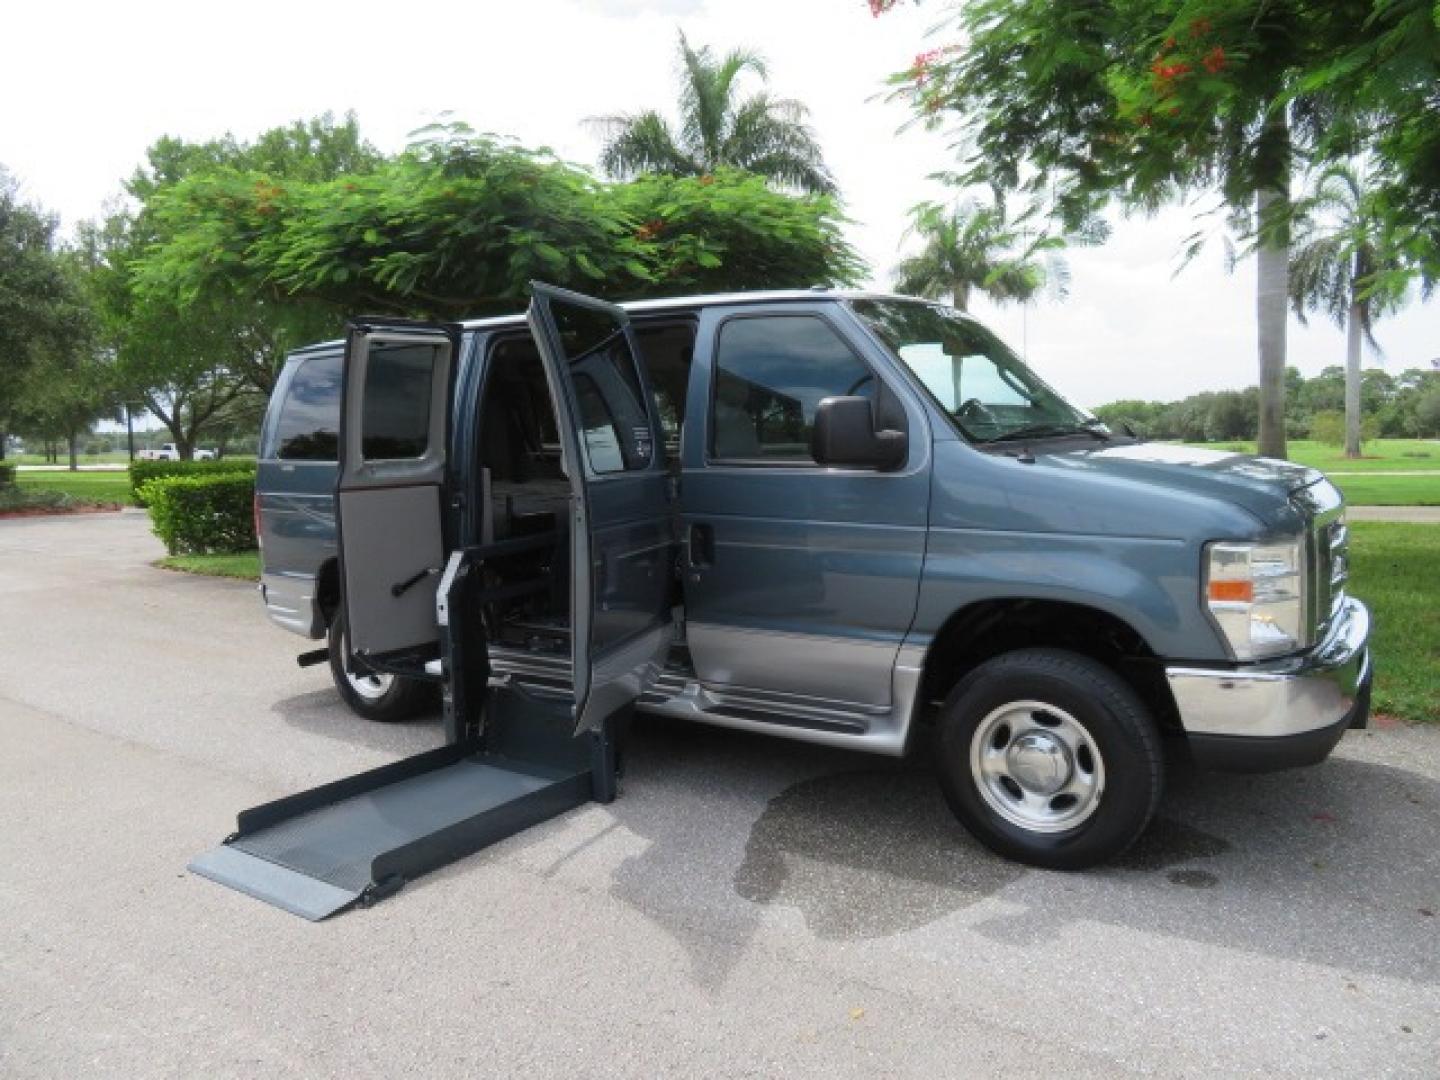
x=680 y=303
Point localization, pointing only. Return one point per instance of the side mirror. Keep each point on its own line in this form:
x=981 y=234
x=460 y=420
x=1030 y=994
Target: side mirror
x=844 y=434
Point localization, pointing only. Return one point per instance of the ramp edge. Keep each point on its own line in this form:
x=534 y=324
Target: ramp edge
x=296 y=893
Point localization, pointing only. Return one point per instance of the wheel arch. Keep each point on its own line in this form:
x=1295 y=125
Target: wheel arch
x=984 y=629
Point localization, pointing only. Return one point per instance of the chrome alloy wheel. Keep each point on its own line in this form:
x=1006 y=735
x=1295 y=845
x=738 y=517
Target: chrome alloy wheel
x=1037 y=767
x=370 y=685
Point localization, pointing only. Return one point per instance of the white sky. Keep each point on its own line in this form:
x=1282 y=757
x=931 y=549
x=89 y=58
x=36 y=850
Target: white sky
x=84 y=88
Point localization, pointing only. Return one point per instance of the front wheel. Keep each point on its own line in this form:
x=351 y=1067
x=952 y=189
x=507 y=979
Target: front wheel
x=1050 y=758
x=373 y=695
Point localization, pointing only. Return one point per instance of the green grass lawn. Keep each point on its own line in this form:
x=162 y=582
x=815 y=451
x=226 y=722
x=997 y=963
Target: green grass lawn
x=1396 y=570
x=1380 y=455
x=115 y=457
x=1389 y=490
x=111 y=487
x=245 y=566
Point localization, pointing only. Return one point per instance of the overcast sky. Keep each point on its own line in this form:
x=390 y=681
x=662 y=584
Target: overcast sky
x=86 y=87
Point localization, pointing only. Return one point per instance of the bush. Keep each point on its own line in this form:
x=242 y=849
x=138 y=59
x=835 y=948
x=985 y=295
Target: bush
x=7 y=474
x=142 y=472
x=200 y=515
x=1328 y=427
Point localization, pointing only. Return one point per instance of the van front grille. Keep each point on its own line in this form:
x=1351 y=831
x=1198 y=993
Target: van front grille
x=1331 y=550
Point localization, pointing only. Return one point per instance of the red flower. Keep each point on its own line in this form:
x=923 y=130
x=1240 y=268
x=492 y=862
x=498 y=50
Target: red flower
x=1214 y=59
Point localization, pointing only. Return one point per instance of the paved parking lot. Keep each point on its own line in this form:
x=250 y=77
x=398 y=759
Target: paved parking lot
x=748 y=907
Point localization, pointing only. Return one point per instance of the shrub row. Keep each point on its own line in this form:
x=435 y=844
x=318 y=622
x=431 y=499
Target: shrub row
x=142 y=472
x=200 y=515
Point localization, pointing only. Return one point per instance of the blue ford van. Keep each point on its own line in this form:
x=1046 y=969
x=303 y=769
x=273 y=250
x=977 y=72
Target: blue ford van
x=838 y=517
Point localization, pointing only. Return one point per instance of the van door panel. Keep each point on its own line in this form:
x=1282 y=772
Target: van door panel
x=622 y=510
x=391 y=535
x=811 y=578
x=394 y=427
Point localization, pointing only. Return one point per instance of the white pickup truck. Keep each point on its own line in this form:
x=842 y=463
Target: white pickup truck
x=168 y=452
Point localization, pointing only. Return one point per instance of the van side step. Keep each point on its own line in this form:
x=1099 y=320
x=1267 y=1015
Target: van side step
x=357 y=840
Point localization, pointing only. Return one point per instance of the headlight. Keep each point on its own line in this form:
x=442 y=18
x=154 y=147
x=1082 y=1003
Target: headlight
x=1256 y=592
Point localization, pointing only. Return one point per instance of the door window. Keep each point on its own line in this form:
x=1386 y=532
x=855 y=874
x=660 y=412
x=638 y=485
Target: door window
x=398 y=384
x=614 y=423
x=771 y=373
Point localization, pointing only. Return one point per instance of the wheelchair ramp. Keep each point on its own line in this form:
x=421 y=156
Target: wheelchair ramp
x=359 y=839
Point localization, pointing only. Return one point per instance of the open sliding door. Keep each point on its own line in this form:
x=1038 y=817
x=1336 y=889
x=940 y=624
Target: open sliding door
x=622 y=522
x=390 y=494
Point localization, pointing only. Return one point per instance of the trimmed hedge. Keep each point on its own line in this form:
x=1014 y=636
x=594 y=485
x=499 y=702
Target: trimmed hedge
x=201 y=515
x=142 y=472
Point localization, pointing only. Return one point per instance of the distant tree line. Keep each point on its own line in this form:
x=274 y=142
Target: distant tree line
x=1392 y=406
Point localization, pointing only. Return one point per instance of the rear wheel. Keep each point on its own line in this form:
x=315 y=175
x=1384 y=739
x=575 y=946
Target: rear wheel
x=373 y=695
x=1050 y=758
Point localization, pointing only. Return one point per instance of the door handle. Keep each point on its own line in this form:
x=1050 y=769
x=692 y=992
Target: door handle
x=701 y=545
x=400 y=588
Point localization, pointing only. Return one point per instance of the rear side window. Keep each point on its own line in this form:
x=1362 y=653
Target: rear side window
x=770 y=374
x=309 y=425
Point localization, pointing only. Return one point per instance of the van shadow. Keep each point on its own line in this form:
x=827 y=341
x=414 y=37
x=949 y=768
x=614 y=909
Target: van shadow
x=1291 y=865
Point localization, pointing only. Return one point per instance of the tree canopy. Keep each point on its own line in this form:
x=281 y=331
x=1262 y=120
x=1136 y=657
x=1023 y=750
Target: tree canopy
x=718 y=129
x=1144 y=101
x=970 y=247
x=44 y=319
x=460 y=224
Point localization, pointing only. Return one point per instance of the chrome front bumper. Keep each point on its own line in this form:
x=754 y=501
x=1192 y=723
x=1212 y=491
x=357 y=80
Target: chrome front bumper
x=1317 y=693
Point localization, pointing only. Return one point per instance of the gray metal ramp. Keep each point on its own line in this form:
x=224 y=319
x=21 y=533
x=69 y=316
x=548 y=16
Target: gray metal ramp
x=359 y=839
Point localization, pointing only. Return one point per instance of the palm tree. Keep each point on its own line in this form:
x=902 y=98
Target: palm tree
x=1338 y=266
x=971 y=247
x=718 y=129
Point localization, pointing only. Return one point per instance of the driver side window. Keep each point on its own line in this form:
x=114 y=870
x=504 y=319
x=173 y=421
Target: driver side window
x=771 y=372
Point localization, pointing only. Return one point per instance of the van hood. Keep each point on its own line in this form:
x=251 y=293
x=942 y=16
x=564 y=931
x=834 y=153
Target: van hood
x=1261 y=485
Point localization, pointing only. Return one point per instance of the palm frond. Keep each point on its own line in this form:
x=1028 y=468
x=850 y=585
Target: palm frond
x=641 y=143
x=768 y=136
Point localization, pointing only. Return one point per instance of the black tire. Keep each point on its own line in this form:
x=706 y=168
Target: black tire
x=1117 y=739
x=400 y=700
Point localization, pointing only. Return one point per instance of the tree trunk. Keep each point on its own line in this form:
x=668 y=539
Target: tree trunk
x=71 y=441
x=1352 y=382
x=962 y=296
x=1272 y=277
x=4 y=438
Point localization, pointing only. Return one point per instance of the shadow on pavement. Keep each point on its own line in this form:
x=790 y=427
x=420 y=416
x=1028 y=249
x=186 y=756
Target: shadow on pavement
x=1334 y=865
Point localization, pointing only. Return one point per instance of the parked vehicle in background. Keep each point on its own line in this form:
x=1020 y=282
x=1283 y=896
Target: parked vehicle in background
x=845 y=518
x=169 y=452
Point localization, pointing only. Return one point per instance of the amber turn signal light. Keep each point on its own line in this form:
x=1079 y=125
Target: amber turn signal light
x=1233 y=591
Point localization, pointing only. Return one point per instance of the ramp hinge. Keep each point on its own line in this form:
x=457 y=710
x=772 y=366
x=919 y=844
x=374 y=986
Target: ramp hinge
x=373 y=894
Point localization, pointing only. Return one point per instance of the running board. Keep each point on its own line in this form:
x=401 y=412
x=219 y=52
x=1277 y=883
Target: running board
x=360 y=839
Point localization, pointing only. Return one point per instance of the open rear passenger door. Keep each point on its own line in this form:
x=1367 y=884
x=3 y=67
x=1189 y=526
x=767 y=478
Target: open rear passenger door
x=394 y=426
x=622 y=523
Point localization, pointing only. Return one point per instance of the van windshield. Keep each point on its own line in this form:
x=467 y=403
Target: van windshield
x=986 y=389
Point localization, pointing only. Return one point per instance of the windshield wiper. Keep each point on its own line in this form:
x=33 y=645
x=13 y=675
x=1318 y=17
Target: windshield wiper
x=1042 y=431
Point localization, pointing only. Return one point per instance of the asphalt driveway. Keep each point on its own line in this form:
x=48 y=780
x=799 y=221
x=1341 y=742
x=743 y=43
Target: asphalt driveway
x=748 y=907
